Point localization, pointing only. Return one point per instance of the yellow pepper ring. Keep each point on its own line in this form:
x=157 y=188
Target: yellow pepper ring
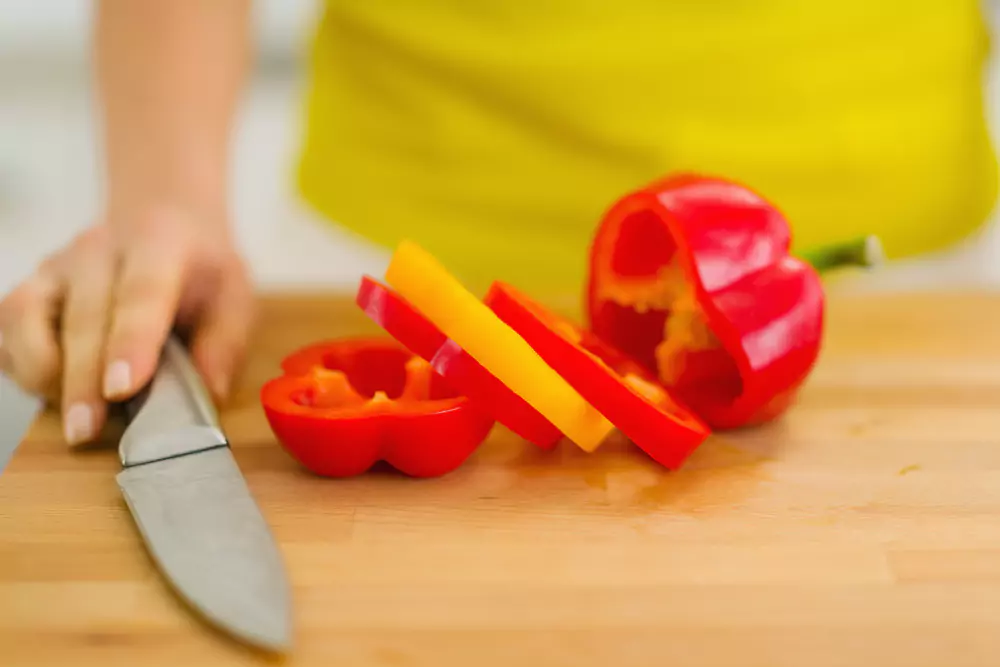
x=425 y=283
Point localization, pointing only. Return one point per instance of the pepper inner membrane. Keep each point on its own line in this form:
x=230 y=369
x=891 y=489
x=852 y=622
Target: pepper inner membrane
x=655 y=312
x=372 y=376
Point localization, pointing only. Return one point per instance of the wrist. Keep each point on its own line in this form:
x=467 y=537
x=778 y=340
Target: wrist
x=205 y=198
x=133 y=202
x=189 y=173
x=136 y=213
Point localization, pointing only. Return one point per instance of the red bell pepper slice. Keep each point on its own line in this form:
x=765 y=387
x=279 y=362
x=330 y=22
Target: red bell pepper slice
x=344 y=405
x=692 y=277
x=624 y=392
x=408 y=326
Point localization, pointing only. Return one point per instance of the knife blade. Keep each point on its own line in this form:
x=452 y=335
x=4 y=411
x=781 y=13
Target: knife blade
x=194 y=510
x=18 y=411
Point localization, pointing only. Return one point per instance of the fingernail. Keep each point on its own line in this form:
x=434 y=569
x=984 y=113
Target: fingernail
x=79 y=423
x=117 y=379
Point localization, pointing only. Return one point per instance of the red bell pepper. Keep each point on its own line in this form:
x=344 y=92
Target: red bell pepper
x=692 y=277
x=344 y=405
x=404 y=323
x=614 y=384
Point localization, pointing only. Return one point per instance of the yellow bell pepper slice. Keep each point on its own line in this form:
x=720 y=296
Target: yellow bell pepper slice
x=470 y=323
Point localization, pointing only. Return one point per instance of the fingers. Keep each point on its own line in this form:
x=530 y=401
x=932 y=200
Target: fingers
x=84 y=325
x=219 y=344
x=146 y=298
x=92 y=321
x=28 y=318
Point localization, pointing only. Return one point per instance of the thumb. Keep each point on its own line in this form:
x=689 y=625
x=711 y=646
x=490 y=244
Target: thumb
x=219 y=343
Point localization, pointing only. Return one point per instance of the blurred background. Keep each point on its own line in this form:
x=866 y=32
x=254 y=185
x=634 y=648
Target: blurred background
x=50 y=176
x=49 y=159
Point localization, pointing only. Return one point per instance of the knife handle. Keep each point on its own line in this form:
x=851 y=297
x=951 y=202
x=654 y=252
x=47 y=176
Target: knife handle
x=173 y=415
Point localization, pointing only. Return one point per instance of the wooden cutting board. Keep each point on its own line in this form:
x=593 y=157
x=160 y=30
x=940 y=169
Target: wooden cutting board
x=862 y=529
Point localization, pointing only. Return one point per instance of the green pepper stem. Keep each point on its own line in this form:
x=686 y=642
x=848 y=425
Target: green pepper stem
x=865 y=252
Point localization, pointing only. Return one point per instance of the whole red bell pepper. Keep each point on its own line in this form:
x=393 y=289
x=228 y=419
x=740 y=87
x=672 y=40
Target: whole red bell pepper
x=618 y=387
x=408 y=326
x=344 y=405
x=692 y=277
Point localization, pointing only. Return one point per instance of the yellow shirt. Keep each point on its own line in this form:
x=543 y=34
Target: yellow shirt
x=496 y=133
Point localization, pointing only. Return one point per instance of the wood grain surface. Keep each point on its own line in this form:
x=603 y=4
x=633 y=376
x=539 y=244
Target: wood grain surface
x=862 y=529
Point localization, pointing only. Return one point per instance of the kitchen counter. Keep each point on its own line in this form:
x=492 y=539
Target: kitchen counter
x=861 y=529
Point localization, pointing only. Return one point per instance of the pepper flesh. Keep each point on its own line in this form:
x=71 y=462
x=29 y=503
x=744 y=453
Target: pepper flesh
x=613 y=383
x=422 y=281
x=401 y=321
x=691 y=276
x=344 y=405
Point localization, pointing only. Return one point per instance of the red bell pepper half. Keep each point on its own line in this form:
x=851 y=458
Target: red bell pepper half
x=344 y=405
x=624 y=392
x=692 y=277
x=408 y=326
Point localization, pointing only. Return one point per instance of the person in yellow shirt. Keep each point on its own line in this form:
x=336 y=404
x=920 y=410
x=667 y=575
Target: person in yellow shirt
x=495 y=134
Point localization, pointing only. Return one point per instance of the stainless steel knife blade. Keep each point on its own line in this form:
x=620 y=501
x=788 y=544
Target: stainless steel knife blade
x=18 y=412
x=195 y=512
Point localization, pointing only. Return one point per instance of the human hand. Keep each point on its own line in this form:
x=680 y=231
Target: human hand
x=88 y=326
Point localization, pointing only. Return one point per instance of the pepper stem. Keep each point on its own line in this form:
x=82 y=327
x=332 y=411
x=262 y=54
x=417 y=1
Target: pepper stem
x=865 y=251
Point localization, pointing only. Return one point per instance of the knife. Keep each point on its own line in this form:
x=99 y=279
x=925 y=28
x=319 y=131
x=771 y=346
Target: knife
x=18 y=411
x=194 y=511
